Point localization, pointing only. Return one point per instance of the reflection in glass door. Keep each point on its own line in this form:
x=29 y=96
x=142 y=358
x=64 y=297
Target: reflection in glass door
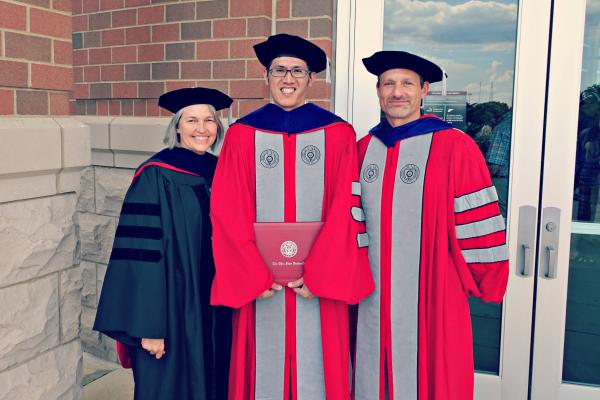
x=581 y=360
x=566 y=357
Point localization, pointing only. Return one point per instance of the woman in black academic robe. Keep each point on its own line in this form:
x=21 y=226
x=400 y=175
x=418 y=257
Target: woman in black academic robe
x=156 y=295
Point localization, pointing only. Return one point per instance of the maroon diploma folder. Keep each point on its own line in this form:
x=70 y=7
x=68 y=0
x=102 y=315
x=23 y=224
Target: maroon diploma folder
x=284 y=246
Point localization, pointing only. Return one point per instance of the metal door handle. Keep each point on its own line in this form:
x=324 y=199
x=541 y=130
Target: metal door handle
x=550 y=233
x=551 y=274
x=527 y=260
x=526 y=240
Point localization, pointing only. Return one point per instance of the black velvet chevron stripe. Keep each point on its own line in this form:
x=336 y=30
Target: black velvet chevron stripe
x=143 y=232
x=135 y=255
x=140 y=209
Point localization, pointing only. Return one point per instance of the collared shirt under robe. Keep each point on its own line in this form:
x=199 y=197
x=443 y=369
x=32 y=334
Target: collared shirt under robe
x=296 y=166
x=436 y=237
x=159 y=277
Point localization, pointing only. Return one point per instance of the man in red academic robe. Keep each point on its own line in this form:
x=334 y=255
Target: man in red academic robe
x=289 y=162
x=436 y=238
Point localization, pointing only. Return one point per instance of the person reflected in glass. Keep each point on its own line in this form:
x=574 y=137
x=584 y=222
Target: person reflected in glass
x=498 y=159
x=589 y=154
x=155 y=296
x=482 y=138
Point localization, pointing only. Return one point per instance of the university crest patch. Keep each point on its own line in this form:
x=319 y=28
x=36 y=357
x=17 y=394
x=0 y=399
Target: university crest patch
x=371 y=173
x=310 y=154
x=269 y=158
x=409 y=173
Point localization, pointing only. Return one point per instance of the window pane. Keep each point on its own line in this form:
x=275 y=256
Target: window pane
x=581 y=363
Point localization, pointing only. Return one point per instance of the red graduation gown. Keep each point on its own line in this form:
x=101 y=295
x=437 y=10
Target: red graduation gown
x=436 y=237
x=286 y=346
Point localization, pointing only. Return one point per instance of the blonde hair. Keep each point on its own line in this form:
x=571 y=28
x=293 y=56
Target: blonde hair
x=172 y=137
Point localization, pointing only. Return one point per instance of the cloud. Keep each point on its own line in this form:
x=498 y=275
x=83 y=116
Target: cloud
x=498 y=47
x=593 y=9
x=503 y=80
x=506 y=77
x=447 y=64
x=494 y=66
x=484 y=23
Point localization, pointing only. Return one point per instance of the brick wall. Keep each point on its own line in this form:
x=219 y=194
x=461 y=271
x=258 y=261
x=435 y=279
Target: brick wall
x=35 y=57
x=128 y=52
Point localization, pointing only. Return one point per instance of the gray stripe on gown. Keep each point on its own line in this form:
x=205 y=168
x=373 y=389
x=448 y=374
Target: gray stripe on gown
x=476 y=199
x=310 y=178
x=362 y=239
x=368 y=340
x=489 y=255
x=405 y=256
x=270 y=313
x=357 y=214
x=480 y=228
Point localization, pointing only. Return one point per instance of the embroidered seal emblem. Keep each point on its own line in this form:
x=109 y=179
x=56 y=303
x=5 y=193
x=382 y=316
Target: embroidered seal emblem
x=371 y=173
x=269 y=158
x=409 y=173
x=310 y=154
x=288 y=249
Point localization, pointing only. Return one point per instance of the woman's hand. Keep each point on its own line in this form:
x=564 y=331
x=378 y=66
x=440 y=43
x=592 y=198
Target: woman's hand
x=156 y=347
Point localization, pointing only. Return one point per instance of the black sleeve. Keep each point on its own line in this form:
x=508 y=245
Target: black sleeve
x=133 y=300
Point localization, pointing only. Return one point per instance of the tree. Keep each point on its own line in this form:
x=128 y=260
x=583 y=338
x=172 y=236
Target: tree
x=589 y=107
x=480 y=114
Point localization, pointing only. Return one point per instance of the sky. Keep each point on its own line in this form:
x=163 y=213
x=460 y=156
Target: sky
x=473 y=41
x=591 y=47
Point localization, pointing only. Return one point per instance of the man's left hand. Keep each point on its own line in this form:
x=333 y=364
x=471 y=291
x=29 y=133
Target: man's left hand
x=301 y=289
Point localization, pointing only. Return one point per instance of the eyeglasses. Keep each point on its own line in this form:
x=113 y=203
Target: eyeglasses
x=296 y=72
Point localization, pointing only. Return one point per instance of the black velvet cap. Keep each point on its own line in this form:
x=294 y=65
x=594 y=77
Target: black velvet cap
x=284 y=45
x=175 y=100
x=382 y=61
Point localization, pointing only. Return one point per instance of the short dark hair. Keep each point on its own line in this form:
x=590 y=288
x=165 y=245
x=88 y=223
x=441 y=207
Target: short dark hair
x=421 y=80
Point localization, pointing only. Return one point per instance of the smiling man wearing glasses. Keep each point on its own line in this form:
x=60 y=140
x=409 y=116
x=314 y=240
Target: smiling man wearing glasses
x=289 y=161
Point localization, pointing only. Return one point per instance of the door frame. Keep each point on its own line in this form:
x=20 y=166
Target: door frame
x=568 y=27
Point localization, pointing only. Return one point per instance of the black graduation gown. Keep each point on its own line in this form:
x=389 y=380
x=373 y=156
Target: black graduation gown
x=158 y=281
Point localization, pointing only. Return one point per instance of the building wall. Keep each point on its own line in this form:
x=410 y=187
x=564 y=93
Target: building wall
x=40 y=162
x=35 y=57
x=40 y=278
x=129 y=52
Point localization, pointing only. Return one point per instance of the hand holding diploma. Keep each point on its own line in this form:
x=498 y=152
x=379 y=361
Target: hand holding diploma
x=270 y=291
x=301 y=289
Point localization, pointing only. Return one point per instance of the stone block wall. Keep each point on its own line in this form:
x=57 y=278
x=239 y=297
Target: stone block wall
x=128 y=52
x=35 y=57
x=119 y=144
x=40 y=278
x=102 y=195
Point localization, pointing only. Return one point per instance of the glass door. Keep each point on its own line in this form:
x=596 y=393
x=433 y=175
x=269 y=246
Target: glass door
x=495 y=53
x=528 y=72
x=566 y=343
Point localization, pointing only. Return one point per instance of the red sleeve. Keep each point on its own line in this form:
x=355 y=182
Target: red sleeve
x=337 y=268
x=479 y=234
x=241 y=275
x=362 y=146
